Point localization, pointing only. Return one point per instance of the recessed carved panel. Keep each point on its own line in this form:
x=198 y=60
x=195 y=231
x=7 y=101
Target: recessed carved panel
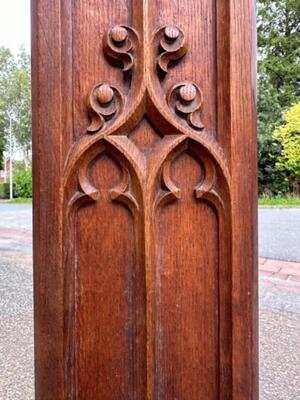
x=187 y=309
x=105 y=290
x=149 y=174
x=144 y=143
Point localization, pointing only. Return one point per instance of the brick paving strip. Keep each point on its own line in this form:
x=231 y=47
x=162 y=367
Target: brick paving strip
x=284 y=275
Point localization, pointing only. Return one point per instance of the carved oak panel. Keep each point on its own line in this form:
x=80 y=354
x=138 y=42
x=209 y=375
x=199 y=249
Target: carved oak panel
x=152 y=276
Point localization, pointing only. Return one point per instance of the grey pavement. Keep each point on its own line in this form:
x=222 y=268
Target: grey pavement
x=279 y=233
x=279 y=319
x=279 y=332
x=16 y=327
x=16 y=227
x=16 y=215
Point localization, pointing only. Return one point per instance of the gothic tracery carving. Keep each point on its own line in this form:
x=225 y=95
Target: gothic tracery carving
x=106 y=103
x=146 y=183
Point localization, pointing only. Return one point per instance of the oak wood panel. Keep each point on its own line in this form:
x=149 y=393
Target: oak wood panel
x=197 y=19
x=47 y=170
x=187 y=308
x=90 y=20
x=144 y=199
x=105 y=313
x=244 y=198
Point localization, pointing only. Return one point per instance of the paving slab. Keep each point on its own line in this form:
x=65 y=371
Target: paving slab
x=16 y=227
x=279 y=233
x=16 y=327
x=279 y=327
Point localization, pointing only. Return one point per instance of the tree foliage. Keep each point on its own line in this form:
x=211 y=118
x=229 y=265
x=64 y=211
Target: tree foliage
x=278 y=85
x=288 y=135
x=23 y=181
x=15 y=99
x=279 y=47
x=21 y=96
x=6 y=64
x=270 y=178
x=269 y=109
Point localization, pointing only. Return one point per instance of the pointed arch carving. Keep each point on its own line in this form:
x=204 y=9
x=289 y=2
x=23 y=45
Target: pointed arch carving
x=146 y=187
x=85 y=194
x=176 y=252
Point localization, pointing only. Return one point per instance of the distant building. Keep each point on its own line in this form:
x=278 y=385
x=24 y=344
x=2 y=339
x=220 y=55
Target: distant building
x=4 y=174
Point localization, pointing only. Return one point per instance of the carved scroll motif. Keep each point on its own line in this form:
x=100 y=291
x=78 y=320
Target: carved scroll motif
x=119 y=44
x=186 y=100
x=104 y=103
x=172 y=46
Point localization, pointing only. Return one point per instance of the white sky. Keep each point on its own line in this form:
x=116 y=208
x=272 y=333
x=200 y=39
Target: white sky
x=15 y=24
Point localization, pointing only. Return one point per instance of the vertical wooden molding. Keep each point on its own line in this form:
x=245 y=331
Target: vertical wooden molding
x=145 y=227
x=244 y=198
x=47 y=172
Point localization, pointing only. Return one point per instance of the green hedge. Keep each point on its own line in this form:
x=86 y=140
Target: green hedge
x=23 y=182
x=4 y=190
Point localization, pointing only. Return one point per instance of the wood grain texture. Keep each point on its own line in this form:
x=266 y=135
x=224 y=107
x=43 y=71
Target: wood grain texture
x=244 y=217
x=47 y=171
x=144 y=200
x=187 y=295
x=106 y=290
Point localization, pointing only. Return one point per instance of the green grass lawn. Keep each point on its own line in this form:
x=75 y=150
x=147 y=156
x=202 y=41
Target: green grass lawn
x=289 y=201
x=20 y=200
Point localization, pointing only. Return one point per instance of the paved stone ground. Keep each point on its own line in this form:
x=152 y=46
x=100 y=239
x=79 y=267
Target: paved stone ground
x=279 y=233
x=279 y=316
x=280 y=274
x=16 y=227
x=279 y=329
x=279 y=319
x=16 y=326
